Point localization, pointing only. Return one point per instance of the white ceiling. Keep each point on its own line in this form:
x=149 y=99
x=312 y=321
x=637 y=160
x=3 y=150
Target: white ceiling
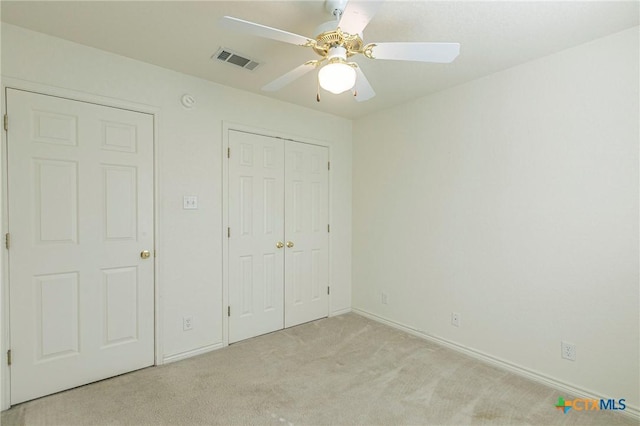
x=182 y=36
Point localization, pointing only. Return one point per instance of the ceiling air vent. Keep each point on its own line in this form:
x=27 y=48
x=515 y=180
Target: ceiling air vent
x=227 y=55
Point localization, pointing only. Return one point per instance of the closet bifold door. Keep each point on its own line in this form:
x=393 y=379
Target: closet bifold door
x=306 y=233
x=256 y=222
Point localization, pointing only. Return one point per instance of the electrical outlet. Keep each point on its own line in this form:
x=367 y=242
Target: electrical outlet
x=190 y=202
x=455 y=319
x=568 y=351
x=385 y=298
x=187 y=323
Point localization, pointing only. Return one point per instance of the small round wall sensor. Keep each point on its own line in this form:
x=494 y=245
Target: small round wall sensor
x=188 y=101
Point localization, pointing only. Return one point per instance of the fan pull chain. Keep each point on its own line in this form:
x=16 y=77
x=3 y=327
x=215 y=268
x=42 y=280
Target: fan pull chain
x=318 y=90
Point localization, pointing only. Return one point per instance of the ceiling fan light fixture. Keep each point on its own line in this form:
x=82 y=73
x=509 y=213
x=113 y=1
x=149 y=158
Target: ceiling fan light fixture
x=337 y=76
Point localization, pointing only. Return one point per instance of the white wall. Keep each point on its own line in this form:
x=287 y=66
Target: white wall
x=190 y=163
x=512 y=200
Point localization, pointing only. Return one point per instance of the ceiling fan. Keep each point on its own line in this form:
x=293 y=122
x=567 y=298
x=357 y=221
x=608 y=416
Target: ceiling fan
x=340 y=39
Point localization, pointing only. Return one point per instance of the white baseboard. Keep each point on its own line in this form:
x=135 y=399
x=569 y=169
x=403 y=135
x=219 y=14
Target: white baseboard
x=630 y=411
x=193 y=352
x=340 y=312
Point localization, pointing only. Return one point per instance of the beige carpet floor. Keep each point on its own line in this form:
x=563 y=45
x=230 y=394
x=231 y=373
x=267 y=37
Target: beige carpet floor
x=345 y=370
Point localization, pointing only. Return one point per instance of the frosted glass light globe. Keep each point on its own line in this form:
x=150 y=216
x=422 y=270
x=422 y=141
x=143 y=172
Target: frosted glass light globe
x=337 y=77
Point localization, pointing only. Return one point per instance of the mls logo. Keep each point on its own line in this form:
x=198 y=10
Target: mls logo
x=588 y=404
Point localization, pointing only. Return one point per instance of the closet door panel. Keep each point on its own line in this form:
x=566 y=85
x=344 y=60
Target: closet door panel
x=256 y=222
x=306 y=233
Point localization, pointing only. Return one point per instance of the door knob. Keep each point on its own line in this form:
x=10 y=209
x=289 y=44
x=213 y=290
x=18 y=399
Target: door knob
x=145 y=254
x=279 y=244
x=289 y=244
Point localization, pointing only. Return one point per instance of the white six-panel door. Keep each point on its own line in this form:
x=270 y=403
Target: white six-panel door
x=306 y=220
x=278 y=241
x=80 y=182
x=256 y=222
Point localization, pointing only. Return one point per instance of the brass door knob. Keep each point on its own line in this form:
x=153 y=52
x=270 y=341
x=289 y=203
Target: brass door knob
x=279 y=244
x=145 y=254
x=289 y=244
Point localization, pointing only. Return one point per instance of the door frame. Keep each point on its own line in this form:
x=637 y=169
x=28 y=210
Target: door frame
x=74 y=95
x=226 y=127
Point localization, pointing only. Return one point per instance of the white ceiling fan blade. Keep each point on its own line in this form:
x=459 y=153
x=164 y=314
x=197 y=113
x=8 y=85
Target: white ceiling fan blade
x=357 y=15
x=364 y=91
x=263 y=31
x=289 y=77
x=421 y=52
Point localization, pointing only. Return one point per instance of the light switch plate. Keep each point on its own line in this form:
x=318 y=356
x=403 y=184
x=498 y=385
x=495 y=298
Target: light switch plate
x=190 y=202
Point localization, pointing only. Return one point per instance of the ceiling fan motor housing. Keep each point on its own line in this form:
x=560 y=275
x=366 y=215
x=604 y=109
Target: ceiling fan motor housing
x=329 y=36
